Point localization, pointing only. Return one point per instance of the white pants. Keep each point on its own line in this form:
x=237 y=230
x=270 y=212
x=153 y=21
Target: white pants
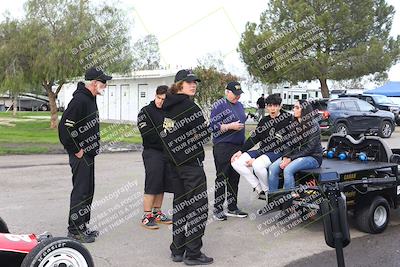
x=259 y=167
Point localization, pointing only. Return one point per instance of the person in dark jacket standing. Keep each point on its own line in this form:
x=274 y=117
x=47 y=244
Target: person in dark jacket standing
x=227 y=124
x=261 y=107
x=79 y=132
x=184 y=134
x=157 y=169
x=303 y=152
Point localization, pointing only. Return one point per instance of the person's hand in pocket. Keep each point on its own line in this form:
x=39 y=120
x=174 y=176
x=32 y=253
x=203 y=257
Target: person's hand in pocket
x=79 y=155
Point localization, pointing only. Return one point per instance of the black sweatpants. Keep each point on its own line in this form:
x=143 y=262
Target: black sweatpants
x=227 y=177
x=82 y=192
x=190 y=210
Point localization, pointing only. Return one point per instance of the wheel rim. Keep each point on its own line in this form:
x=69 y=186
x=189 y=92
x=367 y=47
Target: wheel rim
x=64 y=257
x=387 y=130
x=342 y=130
x=380 y=216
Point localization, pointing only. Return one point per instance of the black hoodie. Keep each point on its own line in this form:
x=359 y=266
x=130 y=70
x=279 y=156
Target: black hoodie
x=269 y=133
x=184 y=130
x=150 y=121
x=79 y=125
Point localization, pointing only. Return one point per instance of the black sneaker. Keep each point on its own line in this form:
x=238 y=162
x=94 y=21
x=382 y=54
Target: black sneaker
x=93 y=233
x=149 y=221
x=81 y=237
x=177 y=258
x=220 y=216
x=237 y=213
x=201 y=260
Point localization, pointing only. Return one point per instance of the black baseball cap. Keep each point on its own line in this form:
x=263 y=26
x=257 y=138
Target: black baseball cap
x=96 y=74
x=235 y=88
x=186 y=75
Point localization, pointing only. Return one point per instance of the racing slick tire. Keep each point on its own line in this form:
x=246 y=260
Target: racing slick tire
x=3 y=227
x=58 y=251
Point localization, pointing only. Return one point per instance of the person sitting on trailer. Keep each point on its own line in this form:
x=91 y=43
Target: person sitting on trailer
x=253 y=164
x=303 y=152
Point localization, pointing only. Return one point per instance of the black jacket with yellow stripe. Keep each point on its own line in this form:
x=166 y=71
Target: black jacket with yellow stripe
x=150 y=124
x=79 y=127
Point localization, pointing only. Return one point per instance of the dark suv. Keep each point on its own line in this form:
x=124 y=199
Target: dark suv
x=353 y=116
x=380 y=102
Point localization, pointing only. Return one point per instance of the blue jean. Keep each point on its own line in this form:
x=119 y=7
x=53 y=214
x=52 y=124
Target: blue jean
x=296 y=165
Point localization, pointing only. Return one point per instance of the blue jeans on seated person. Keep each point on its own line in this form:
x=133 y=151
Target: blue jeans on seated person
x=296 y=165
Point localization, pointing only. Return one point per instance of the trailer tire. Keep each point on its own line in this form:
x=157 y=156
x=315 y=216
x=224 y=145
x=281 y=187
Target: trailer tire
x=374 y=217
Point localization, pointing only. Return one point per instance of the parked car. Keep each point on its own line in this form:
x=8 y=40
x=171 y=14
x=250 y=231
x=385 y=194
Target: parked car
x=322 y=106
x=27 y=103
x=353 y=116
x=381 y=102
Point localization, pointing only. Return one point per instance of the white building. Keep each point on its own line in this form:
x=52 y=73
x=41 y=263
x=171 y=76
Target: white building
x=125 y=95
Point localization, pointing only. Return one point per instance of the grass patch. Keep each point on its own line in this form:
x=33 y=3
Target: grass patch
x=37 y=131
x=23 y=150
x=22 y=114
x=23 y=136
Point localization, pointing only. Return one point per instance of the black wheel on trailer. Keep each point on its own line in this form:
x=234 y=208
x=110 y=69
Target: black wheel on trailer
x=373 y=217
x=3 y=227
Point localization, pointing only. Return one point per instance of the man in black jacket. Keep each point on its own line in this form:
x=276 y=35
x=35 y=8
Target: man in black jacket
x=157 y=167
x=261 y=107
x=79 y=132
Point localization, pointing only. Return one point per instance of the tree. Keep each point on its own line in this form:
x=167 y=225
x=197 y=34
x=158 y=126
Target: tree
x=13 y=59
x=146 y=53
x=212 y=86
x=306 y=40
x=66 y=37
x=212 y=60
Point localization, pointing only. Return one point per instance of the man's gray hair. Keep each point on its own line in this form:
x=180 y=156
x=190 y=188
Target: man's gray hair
x=87 y=83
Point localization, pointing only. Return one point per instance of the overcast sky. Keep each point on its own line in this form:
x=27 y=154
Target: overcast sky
x=188 y=30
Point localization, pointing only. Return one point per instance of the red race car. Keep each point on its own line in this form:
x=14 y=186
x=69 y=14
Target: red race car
x=43 y=250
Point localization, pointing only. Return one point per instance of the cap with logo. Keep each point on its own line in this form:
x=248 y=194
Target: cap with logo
x=97 y=75
x=186 y=75
x=234 y=87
